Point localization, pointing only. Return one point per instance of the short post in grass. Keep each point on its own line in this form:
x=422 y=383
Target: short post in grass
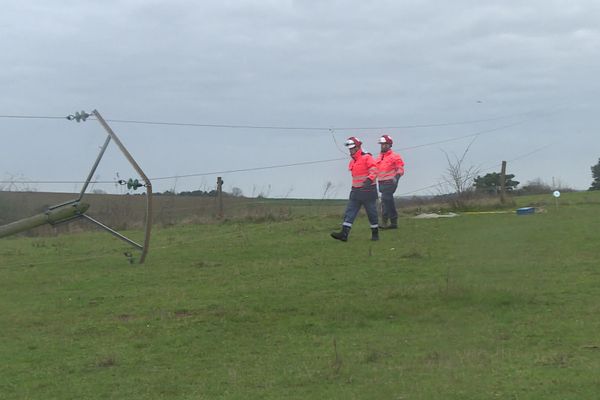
x=220 y=196
x=503 y=183
x=556 y=195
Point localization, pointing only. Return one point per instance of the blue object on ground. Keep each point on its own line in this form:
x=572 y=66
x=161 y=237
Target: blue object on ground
x=525 y=210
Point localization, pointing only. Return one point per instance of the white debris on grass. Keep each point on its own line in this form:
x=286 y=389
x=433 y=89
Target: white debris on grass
x=433 y=215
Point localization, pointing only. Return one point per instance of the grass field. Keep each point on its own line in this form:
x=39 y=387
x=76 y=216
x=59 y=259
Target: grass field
x=475 y=307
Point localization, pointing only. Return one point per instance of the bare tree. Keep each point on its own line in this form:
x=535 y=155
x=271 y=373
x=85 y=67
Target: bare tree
x=459 y=177
x=263 y=194
x=15 y=183
x=326 y=189
x=236 y=192
x=174 y=188
x=289 y=192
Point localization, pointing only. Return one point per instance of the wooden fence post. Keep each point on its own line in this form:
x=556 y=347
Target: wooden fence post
x=220 y=196
x=503 y=183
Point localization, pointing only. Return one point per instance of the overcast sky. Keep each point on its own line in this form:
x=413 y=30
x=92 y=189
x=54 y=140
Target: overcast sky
x=526 y=70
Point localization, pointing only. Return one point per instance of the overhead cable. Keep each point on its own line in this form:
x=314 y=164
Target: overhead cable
x=280 y=165
x=30 y=117
x=275 y=127
x=248 y=169
x=520 y=157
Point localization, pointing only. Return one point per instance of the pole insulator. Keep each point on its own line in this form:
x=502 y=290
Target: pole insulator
x=79 y=116
x=134 y=184
x=131 y=183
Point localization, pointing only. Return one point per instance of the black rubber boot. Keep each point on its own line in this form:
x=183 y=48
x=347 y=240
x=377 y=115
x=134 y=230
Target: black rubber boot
x=394 y=224
x=374 y=233
x=341 y=235
x=385 y=225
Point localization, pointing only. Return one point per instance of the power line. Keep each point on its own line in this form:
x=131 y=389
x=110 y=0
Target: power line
x=531 y=152
x=419 y=190
x=264 y=167
x=30 y=117
x=476 y=134
x=189 y=175
x=332 y=159
x=440 y=124
x=312 y=128
x=275 y=127
x=249 y=169
x=520 y=157
x=463 y=137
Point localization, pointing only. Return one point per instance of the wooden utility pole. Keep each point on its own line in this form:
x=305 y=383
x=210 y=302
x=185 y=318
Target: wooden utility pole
x=503 y=183
x=220 y=196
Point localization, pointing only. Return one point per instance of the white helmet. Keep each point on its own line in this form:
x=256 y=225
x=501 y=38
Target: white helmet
x=352 y=142
x=385 y=139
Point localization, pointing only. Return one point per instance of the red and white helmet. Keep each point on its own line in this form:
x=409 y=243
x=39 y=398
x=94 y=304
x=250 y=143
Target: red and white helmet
x=352 y=142
x=385 y=139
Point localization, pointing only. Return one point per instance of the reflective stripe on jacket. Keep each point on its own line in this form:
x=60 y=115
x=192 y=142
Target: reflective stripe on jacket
x=389 y=164
x=362 y=166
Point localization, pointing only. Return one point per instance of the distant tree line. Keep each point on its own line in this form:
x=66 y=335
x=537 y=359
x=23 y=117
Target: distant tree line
x=235 y=192
x=596 y=176
x=490 y=184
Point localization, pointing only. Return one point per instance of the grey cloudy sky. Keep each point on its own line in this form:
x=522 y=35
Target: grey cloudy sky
x=331 y=64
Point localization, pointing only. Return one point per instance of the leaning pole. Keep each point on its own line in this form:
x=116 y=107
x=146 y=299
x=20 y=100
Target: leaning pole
x=74 y=209
x=51 y=216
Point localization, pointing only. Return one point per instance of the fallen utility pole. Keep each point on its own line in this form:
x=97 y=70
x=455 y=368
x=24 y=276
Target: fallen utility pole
x=51 y=216
x=74 y=209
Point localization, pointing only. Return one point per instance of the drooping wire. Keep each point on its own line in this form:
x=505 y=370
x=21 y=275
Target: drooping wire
x=31 y=117
x=297 y=128
x=519 y=157
x=477 y=134
x=472 y=135
x=337 y=146
x=248 y=169
x=487 y=169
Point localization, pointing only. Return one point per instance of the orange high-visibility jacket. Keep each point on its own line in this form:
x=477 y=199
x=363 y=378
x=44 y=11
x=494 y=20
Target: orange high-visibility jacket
x=389 y=164
x=362 y=166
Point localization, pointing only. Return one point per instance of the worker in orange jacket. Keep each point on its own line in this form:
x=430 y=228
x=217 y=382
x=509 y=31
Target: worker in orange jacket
x=364 y=190
x=390 y=168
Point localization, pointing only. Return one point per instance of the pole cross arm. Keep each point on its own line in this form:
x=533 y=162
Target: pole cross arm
x=147 y=184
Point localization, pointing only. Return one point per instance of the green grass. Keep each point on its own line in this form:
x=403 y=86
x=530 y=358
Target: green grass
x=474 y=307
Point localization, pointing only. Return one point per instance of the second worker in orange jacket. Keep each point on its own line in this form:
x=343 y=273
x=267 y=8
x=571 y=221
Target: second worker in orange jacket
x=390 y=167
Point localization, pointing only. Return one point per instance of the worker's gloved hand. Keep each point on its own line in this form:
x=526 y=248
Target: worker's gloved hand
x=397 y=178
x=368 y=183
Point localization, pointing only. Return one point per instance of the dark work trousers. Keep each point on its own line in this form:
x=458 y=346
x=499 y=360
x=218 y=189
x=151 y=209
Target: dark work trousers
x=388 y=206
x=360 y=198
